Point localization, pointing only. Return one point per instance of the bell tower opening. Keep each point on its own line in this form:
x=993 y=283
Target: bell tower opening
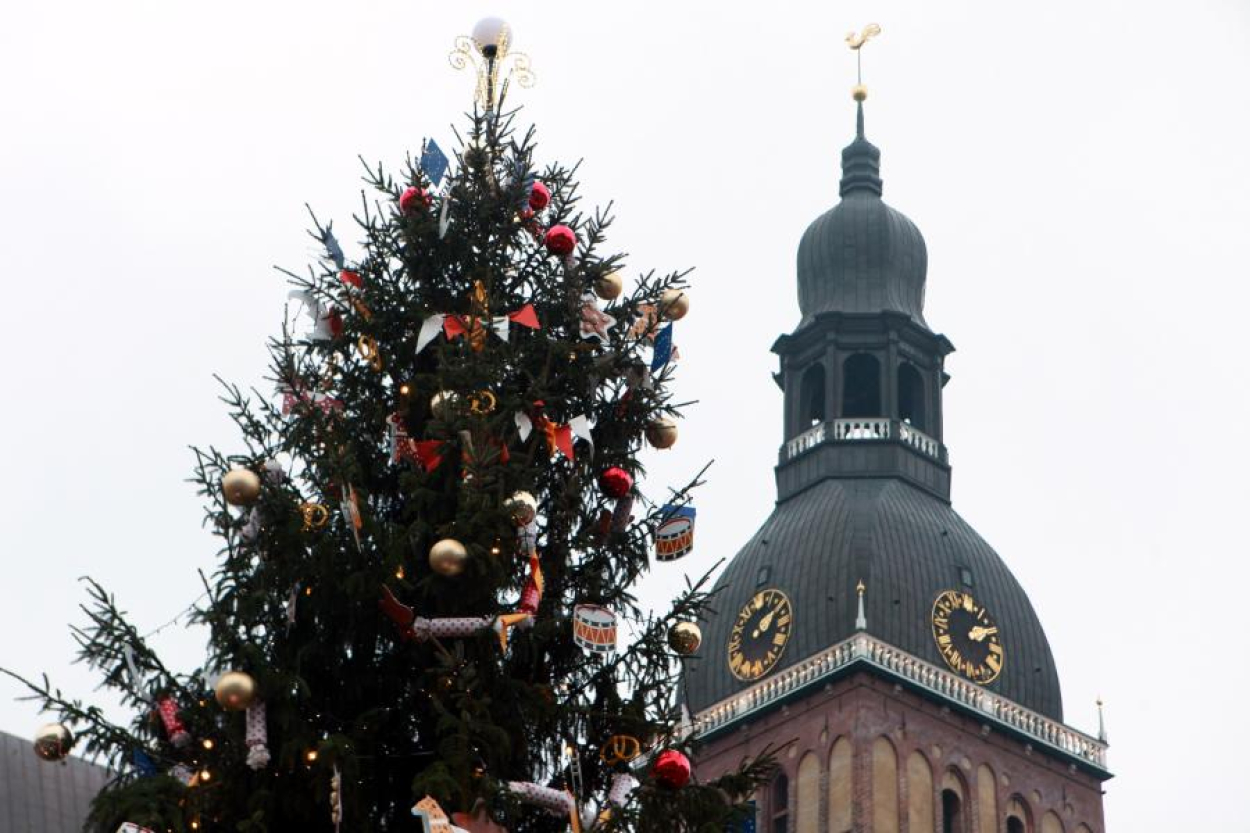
x=911 y=404
x=812 y=396
x=861 y=386
x=952 y=812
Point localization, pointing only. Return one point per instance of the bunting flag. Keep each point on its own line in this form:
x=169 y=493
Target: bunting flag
x=333 y=249
x=434 y=162
x=559 y=436
x=454 y=326
x=327 y=321
x=663 y=350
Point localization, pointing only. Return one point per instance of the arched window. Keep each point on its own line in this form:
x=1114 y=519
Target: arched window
x=987 y=798
x=911 y=396
x=807 y=796
x=812 y=396
x=840 y=778
x=1019 y=817
x=779 y=805
x=1051 y=822
x=919 y=794
x=952 y=812
x=861 y=386
x=884 y=787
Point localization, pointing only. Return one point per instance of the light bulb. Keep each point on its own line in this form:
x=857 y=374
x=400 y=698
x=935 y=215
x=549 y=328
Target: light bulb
x=491 y=34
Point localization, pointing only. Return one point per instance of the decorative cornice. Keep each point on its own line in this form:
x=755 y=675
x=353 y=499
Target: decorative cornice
x=863 y=650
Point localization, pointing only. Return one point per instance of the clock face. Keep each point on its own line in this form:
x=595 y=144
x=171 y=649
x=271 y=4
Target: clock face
x=967 y=637
x=760 y=634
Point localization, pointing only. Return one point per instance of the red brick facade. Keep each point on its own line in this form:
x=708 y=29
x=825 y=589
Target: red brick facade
x=1047 y=794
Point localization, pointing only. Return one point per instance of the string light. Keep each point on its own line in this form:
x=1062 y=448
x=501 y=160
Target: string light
x=310 y=756
x=208 y=743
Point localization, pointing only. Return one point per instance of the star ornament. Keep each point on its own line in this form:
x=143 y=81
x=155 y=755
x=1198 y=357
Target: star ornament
x=595 y=322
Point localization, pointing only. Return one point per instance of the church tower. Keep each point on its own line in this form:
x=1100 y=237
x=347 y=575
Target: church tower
x=866 y=621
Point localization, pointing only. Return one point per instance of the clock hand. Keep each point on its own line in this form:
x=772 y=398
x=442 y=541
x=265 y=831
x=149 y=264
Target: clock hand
x=978 y=633
x=767 y=621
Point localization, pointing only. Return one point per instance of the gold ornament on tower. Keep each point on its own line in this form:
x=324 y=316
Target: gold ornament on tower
x=235 y=691
x=662 y=432
x=53 y=741
x=448 y=557
x=856 y=42
x=685 y=638
x=241 y=487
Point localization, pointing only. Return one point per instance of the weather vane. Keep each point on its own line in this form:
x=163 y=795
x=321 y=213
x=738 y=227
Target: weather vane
x=856 y=41
x=488 y=51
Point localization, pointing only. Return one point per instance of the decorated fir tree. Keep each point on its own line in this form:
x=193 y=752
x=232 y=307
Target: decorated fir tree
x=423 y=610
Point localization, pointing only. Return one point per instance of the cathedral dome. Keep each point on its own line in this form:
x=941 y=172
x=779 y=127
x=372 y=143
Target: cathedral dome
x=907 y=547
x=862 y=256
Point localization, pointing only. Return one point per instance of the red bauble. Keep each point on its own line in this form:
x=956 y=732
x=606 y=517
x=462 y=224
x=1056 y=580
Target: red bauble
x=616 y=482
x=671 y=769
x=413 y=199
x=351 y=278
x=560 y=240
x=540 y=195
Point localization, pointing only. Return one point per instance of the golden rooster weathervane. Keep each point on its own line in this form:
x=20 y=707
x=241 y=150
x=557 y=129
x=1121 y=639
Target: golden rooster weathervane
x=856 y=41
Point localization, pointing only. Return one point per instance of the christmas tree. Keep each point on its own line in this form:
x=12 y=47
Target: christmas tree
x=431 y=539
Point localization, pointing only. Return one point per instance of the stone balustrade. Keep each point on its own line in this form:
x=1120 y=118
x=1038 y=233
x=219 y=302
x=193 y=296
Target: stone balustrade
x=864 y=429
x=866 y=649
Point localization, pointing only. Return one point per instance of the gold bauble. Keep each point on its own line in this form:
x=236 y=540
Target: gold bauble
x=241 y=487
x=662 y=432
x=235 y=691
x=522 y=507
x=53 y=741
x=685 y=638
x=443 y=404
x=447 y=557
x=674 y=304
x=859 y=92
x=609 y=286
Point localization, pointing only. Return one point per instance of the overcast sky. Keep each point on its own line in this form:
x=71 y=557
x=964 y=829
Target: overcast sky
x=1079 y=171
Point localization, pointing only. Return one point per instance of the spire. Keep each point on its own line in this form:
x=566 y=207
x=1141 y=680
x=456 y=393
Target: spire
x=861 y=161
x=1102 y=726
x=861 y=621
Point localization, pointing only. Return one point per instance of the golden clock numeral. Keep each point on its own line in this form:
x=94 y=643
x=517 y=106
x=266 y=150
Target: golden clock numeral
x=779 y=639
x=994 y=663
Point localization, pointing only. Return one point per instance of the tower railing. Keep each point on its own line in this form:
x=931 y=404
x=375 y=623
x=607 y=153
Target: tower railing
x=865 y=429
x=865 y=649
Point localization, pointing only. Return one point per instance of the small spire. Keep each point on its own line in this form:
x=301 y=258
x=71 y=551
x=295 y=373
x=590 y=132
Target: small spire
x=861 y=161
x=1102 y=726
x=861 y=621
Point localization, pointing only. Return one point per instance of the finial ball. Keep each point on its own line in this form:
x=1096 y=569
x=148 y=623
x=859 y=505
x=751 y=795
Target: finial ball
x=859 y=92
